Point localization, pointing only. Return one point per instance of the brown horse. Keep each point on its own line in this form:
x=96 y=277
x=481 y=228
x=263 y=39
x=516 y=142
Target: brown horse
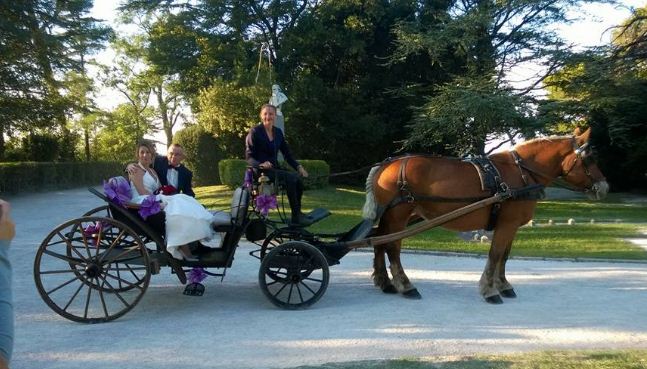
x=414 y=187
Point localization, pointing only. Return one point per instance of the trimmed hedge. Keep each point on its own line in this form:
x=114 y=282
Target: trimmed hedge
x=232 y=172
x=39 y=176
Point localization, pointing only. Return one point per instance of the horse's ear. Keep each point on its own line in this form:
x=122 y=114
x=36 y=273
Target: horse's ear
x=582 y=137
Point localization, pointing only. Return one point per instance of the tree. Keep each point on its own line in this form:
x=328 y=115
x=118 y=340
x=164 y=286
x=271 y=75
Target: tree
x=39 y=42
x=606 y=89
x=489 y=38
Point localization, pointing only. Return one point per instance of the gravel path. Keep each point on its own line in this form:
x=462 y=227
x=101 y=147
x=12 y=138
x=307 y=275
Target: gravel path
x=561 y=305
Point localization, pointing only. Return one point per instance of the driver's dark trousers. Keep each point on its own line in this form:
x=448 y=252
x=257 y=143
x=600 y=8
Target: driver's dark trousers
x=293 y=188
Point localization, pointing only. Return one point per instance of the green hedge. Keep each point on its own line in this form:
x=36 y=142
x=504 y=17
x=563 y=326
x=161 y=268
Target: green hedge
x=39 y=176
x=232 y=172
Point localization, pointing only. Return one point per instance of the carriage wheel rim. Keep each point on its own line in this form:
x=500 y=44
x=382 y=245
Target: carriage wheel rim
x=85 y=287
x=293 y=286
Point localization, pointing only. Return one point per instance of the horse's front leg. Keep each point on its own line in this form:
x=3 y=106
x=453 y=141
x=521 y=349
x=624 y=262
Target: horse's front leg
x=500 y=281
x=380 y=275
x=400 y=278
x=491 y=280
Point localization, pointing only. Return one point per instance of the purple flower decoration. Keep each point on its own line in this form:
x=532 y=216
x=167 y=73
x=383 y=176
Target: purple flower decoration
x=264 y=203
x=197 y=275
x=93 y=230
x=117 y=190
x=150 y=206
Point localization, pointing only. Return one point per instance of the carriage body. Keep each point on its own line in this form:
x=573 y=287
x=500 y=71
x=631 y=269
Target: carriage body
x=97 y=267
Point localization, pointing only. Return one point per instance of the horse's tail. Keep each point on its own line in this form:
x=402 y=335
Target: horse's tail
x=370 y=206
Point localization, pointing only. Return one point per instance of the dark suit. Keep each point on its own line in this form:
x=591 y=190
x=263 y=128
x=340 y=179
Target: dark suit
x=184 y=175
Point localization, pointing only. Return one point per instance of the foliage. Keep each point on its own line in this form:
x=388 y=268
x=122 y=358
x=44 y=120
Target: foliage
x=33 y=176
x=39 y=42
x=232 y=172
x=488 y=39
x=227 y=110
x=121 y=130
x=607 y=92
x=202 y=154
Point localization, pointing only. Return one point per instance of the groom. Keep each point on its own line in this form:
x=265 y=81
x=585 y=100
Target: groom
x=171 y=172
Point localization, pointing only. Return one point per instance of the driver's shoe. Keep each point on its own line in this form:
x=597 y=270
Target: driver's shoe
x=301 y=220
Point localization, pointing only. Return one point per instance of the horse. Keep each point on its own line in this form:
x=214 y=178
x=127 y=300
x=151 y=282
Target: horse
x=421 y=187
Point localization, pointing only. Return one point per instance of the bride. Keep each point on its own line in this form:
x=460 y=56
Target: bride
x=186 y=219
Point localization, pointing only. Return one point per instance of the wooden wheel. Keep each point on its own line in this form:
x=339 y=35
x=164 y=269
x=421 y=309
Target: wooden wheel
x=294 y=275
x=92 y=269
x=101 y=211
x=274 y=239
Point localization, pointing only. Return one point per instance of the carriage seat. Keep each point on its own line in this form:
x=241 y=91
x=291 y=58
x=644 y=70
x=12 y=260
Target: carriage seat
x=224 y=221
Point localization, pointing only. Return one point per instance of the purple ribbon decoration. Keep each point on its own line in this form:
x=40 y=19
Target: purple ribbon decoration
x=264 y=203
x=197 y=275
x=150 y=206
x=117 y=190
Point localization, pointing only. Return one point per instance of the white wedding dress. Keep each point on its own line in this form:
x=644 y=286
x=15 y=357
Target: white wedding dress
x=186 y=219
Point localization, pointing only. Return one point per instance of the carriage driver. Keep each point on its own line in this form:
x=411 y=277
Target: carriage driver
x=262 y=144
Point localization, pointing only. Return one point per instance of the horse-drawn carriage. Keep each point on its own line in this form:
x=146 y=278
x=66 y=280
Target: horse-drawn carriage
x=97 y=267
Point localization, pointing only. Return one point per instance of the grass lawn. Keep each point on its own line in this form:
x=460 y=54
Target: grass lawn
x=616 y=359
x=583 y=240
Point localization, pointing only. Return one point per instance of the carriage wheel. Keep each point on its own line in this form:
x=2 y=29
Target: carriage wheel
x=294 y=275
x=274 y=239
x=101 y=211
x=92 y=269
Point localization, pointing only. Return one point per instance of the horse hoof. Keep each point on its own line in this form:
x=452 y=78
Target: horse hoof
x=508 y=293
x=390 y=289
x=495 y=300
x=412 y=294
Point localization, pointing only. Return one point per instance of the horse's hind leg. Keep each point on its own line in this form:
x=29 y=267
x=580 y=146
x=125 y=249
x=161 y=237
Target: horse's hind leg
x=380 y=275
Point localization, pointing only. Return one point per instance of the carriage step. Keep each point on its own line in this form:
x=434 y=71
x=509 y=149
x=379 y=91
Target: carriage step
x=318 y=214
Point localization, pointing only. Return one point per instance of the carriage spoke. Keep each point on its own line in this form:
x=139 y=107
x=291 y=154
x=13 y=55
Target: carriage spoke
x=280 y=290
x=313 y=279
x=73 y=297
x=116 y=293
x=63 y=257
x=87 y=303
x=85 y=240
x=113 y=244
x=290 y=292
x=103 y=302
x=125 y=252
x=62 y=271
x=308 y=287
x=71 y=247
x=299 y=291
x=121 y=280
x=61 y=286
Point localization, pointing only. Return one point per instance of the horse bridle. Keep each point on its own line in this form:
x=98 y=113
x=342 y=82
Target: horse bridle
x=582 y=153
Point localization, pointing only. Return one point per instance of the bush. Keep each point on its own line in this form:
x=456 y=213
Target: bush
x=232 y=172
x=202 y=154
x=38 y=176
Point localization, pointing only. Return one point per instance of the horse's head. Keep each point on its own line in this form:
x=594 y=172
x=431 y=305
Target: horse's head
x=580 y=169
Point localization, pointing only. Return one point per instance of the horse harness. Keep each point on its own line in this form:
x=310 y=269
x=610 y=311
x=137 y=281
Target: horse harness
x=490 y=179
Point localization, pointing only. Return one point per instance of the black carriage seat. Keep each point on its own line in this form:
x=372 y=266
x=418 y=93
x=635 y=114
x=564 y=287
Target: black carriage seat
x=232 y=224
x=223 y=221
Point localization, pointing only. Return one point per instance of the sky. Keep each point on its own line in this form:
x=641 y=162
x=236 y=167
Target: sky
x=591 y=29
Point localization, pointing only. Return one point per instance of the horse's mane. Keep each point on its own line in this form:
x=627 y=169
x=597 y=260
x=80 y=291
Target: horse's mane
x=541 y=141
